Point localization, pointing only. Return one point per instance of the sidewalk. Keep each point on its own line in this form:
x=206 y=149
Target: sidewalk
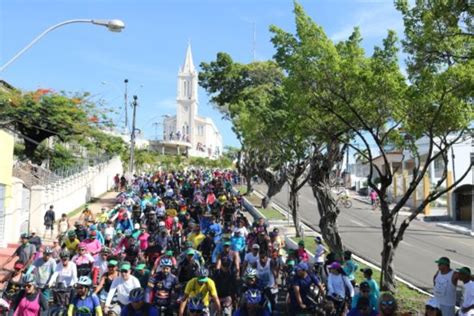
x=107 y=200
x=460 y=227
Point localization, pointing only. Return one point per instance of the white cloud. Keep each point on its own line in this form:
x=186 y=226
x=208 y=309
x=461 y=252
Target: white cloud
x=372 y=23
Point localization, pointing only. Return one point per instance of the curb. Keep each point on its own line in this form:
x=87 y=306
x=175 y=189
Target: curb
x=459 y=230
x=293 y=244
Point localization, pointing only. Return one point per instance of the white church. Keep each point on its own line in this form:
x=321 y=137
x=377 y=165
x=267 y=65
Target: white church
x=187 y=132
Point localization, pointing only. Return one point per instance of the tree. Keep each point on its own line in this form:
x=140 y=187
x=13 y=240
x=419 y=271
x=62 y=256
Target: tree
x=372 y=100
x=42 y=114
x=306 y=57
x=246 y=95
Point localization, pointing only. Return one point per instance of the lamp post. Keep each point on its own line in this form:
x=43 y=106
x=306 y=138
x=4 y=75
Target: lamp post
x=132 y=136
x=112 y=25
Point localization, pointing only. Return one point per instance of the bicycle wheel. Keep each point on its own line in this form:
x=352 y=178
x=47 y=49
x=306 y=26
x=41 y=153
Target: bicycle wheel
x=347 y=203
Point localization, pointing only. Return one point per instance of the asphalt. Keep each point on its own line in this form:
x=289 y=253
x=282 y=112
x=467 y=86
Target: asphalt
x=360 y=231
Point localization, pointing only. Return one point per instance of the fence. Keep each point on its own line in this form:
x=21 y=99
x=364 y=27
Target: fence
x=66 y=195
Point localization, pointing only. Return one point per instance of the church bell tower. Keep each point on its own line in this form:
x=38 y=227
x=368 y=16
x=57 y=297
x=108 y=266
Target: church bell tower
x=186 y=100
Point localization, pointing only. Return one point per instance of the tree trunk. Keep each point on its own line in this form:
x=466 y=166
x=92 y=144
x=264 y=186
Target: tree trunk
x=387 y=275
x=328 y=212
x=274 y=184
x=294 y=207
x=248 y=179
x=30 y=149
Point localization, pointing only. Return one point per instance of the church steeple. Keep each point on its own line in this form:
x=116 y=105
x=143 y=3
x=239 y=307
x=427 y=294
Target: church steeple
x=188 y=66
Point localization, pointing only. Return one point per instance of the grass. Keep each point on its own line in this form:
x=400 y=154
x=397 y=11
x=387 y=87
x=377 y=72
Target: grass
x=271 y=214
x=409 y=300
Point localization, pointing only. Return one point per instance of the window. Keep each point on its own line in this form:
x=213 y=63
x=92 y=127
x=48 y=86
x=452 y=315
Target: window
x=200 y=130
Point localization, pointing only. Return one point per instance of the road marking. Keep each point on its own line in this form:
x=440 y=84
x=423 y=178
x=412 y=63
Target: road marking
x=357 y=222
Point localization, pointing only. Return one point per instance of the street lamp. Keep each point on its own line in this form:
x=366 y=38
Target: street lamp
x=112 y=25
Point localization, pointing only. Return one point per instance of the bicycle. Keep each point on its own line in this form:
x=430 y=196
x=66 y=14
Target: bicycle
x=344 y=200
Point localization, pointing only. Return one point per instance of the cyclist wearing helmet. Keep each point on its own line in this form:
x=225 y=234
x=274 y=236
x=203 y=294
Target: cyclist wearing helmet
x=138 y=306
x=43 y=269
x=85 y=302
x=30 y=301
x=253 y=300
x=202 y=288
x=66 y=271
x=161 y=286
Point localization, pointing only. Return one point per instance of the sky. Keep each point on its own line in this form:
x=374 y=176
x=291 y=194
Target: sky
x=152 y=47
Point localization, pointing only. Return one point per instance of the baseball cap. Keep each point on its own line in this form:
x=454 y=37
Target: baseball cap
x=464 y=270
x=169 y=252
x=302 y=266
x=335 y=265
x=190 y=251
x=318 y=239
x=433 y=302
x=227 y=243
x=125 y=266
x=367 y=270
x=443 y=260
x=255 y=246
x=301 y=243
x=140 y=266
x=364 y=285
x=24 y=236
x=112 y=263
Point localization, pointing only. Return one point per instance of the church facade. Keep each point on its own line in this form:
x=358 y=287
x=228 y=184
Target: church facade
x=187 y=132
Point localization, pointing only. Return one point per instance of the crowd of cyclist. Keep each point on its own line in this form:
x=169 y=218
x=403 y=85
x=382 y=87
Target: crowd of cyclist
x=179 y=243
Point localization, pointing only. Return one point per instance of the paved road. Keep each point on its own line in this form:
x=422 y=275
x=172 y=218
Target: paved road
x=423 y=243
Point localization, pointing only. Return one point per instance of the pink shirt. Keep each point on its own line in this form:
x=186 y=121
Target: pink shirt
x=27 y=308
x=143 y=239
x=93 y=246
x=303 y=255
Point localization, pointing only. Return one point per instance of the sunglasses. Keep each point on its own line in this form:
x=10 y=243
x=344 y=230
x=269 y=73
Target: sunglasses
x=80 y=287
x=64 y=258
x=82 y=250
x=110 y=267
x=123 y=271
x=386 y=302
x=28 y=286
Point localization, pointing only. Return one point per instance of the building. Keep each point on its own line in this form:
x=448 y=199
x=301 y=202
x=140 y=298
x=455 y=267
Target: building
x=187 y=132
x=456 y=205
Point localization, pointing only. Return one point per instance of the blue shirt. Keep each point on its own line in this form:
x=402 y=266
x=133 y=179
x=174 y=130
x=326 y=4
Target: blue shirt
x=350 y=267
x=372 y=299
x=147 y=310
x=85 y=306
x=304 y=284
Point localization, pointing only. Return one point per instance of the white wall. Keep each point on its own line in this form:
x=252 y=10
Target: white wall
x=72 y=192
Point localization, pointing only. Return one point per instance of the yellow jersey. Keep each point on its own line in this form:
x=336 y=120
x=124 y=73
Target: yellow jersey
x=205 y=290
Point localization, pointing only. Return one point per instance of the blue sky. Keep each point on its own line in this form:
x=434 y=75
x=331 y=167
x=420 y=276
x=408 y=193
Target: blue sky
x=79 y=57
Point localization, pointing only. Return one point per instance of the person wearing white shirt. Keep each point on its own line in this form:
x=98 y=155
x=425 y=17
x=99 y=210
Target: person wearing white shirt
x=467 y=305
x=338 y=284
x=444 y=288
x=122 y=286
x=65 y=272
x=319 y=259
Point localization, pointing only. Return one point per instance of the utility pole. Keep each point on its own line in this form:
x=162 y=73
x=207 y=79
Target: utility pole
x=132 y=136
x=125 y=106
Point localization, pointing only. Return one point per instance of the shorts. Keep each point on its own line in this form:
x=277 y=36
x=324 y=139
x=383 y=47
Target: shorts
x=49 y=227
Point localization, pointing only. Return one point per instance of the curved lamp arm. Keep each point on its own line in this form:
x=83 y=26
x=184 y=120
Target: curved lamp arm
x=112 y=25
